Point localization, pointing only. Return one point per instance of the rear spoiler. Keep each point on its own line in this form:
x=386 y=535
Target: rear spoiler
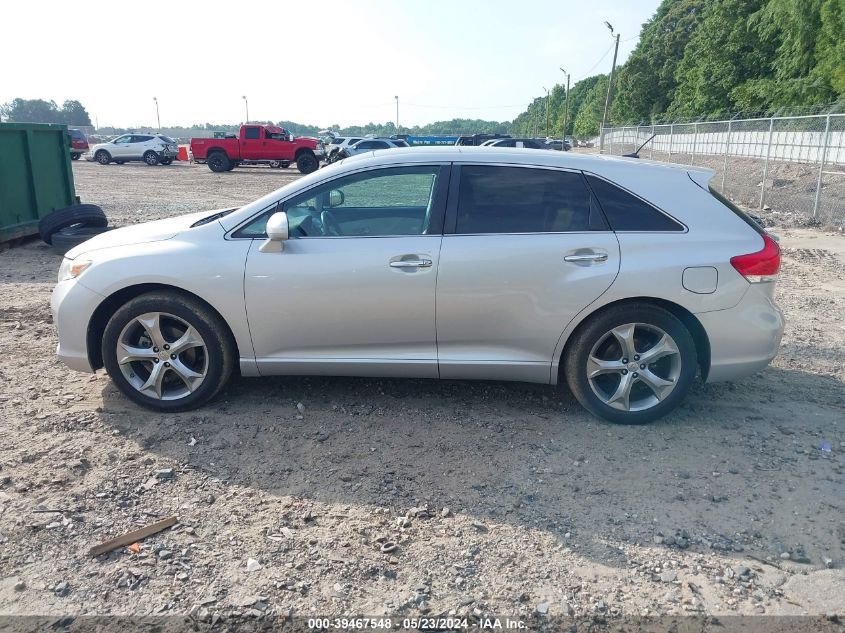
x=701 y=177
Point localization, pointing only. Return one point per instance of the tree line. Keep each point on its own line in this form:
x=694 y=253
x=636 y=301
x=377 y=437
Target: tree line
x=70 y=113
x=710 y=59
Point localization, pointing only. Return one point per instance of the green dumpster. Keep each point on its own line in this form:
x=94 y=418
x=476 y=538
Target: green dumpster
x=35 y=176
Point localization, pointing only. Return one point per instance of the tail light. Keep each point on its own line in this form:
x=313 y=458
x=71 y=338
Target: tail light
x=760 y=266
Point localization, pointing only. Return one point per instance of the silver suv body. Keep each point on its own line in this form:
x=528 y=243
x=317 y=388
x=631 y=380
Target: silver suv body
x=153 y=149
x=625 y=278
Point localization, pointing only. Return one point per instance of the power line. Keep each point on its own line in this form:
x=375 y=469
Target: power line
x=593 y=67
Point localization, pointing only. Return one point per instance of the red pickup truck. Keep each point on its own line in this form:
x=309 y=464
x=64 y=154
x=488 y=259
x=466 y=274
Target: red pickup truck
x=259 y=144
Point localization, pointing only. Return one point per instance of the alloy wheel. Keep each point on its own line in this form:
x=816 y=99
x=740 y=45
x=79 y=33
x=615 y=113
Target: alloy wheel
x=162 y=356
x=634 y=367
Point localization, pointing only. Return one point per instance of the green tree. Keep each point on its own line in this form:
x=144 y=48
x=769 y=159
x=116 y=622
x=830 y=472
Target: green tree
x=588 y=119
x=723 y=53
x=32 y=111
x=73 y=113
x=646 y=84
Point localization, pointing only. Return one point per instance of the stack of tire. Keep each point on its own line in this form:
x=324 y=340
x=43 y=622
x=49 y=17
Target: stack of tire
x=65 y=228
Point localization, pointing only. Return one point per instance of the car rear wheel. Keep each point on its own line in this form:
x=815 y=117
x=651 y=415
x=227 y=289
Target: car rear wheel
x=218 y=161
x=631 y=364
x=151 y=158
x=102 y=157
x=306 y=162
x=167 y=351
x=75 y=156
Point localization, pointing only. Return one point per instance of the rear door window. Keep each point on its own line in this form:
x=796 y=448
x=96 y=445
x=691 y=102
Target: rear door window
x=494 y=199
x=627 y=212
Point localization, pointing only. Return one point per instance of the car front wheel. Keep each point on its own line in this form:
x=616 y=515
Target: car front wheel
x=631 y=364
x=307 y=163
x=167 y=351
x=103 y=157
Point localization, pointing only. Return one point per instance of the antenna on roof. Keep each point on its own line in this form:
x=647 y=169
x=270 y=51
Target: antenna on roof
x=637 y=153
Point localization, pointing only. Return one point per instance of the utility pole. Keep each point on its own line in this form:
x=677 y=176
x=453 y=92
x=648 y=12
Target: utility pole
x=547 y=111
x=610 y=82
x=246 y=105
x=158 y=118
x=397 y=113
x=565 y=111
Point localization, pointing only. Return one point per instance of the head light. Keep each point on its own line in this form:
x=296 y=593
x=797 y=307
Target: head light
x=72 y=268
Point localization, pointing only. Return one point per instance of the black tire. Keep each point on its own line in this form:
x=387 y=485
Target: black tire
x=596 y=327
x=166 y=161
x=232 y=165
x=274 y=164
x=219 y=162
x=102 y=157
x=219 y=347
x=75 y=156
x=151 y=158
x=82 y=215
x=306 y=162
x=66 y=239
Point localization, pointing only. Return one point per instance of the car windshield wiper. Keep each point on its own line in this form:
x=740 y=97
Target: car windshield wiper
x=213 y=217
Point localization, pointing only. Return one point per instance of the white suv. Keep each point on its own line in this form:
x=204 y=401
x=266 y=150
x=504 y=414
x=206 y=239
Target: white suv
x=153 y=149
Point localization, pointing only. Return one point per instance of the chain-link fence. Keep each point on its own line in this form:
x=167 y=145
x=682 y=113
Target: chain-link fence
x=793 y=167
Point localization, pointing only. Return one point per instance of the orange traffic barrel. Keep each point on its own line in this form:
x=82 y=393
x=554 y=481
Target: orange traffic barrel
x=183 y=153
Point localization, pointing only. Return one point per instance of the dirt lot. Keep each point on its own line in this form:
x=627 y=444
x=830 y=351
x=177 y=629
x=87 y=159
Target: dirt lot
x=500 y=498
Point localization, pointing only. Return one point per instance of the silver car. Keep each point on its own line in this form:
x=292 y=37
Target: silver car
x=624 y=278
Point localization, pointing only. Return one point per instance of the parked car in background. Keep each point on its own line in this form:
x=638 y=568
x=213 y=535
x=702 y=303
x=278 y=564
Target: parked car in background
x=153 y=149
x=478 y=139
x=257 y=145
x=342 y=142
x=337 y=145
x=557 y=144
x=528 y=143
x=624 y=278
x=372 y=144
x=78 y=144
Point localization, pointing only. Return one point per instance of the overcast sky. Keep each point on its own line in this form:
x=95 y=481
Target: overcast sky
x=318 y=62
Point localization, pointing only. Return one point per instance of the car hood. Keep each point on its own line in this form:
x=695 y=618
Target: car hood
x=141 y=233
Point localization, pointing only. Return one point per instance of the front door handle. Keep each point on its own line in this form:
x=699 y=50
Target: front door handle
x=586 y=257
x=412 y=263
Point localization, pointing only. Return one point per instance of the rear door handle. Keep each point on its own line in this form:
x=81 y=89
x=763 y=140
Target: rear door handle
x=586 y=257
x=412 y=263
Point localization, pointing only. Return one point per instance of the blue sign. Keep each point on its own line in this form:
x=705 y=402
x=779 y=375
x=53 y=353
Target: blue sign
x=431 y=140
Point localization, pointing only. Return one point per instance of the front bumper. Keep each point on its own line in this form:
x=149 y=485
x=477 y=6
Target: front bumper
x=73 y=305
x=745 y=338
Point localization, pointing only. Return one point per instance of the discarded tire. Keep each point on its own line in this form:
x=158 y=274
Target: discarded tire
x=66 y=239
x=81 y=215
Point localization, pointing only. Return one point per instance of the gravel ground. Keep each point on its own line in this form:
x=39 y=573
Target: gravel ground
x=341 y=496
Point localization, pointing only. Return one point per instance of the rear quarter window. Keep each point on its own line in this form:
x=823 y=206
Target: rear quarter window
x=739 y=212
x=627 y=212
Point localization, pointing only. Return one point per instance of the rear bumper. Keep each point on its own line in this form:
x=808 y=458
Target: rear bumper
x=743 y=339
x=72 y=305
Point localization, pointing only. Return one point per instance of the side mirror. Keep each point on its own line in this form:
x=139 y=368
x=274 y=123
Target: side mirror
x=290 y=137
x=277 y=233
x=336 y=198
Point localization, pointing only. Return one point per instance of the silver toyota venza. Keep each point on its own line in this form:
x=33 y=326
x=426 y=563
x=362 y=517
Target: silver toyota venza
x=623 y=277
